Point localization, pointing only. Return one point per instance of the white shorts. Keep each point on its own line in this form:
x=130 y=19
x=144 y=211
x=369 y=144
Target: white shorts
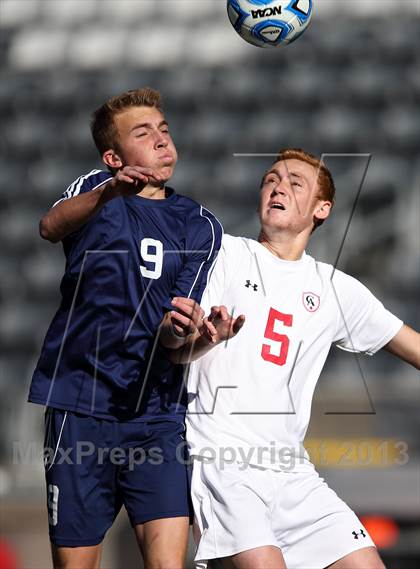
x=237 y=510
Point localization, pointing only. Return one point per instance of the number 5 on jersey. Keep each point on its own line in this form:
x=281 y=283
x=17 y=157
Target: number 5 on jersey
x=151 y=251
x=283 y=340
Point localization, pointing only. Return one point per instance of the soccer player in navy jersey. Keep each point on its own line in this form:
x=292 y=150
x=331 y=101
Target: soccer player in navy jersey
x=137 y=253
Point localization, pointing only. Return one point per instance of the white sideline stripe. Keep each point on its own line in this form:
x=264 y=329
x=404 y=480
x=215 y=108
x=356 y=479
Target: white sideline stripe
x=195 y=280
x=58 y=442
x=211 y=248
x=215 y=259
x=74 y=184
x=64 y=197
x=210 y=272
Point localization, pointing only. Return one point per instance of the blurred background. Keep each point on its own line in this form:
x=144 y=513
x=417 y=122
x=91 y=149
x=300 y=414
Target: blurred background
x=348 y=89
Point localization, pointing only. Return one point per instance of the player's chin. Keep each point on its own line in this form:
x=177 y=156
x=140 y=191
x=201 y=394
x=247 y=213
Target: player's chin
x=166 y=171
x=274 y=222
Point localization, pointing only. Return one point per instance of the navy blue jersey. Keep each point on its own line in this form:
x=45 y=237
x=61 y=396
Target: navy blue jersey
x=100 y=355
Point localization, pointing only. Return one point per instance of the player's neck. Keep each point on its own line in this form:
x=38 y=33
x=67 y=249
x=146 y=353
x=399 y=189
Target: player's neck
x=284 y=246
x=153 y=192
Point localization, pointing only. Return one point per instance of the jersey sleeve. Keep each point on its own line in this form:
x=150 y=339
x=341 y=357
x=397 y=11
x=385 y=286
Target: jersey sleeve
x=85 y=183
x=203 y=244
x=364 y=324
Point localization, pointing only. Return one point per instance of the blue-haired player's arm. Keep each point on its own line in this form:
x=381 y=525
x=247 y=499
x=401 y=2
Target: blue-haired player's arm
x=86 y=196
x=203 y=244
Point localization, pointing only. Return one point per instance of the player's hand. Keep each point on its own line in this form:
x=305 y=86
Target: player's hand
x=186 y=317
x=131 y=180
x=220 y=326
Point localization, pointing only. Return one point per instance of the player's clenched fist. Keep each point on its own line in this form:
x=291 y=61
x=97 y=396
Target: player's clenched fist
x=220 y=326
x=131 y=180
x=186 y=317
x=199 y=334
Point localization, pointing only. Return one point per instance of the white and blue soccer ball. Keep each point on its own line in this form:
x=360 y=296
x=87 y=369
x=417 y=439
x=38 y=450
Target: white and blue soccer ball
x=270 y=23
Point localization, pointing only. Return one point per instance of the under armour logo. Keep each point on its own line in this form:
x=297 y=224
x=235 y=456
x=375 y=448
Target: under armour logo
x=248 y=284
x=356 y=534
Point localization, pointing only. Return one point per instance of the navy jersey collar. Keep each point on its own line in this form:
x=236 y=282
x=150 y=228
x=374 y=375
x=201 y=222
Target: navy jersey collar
x=146 y=202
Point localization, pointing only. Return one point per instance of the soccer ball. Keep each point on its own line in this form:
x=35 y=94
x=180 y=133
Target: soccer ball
x=270 y=23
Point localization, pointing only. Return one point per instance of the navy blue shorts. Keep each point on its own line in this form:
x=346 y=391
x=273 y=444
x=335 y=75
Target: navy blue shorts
x=94 y=466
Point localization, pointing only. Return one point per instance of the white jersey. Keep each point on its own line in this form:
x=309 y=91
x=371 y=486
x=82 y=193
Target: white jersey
x=250 y=398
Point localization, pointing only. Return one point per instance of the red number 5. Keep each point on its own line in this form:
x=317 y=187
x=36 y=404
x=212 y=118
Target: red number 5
x=283 y=340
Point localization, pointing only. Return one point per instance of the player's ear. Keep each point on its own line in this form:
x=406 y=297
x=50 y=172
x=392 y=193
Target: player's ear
x=111 y=159
x=322 y=210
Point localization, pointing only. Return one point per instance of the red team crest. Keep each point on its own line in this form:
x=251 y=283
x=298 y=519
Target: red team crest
x=311 y=301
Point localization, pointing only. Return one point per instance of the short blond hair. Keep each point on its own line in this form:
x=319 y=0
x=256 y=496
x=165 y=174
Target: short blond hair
x=102 y=126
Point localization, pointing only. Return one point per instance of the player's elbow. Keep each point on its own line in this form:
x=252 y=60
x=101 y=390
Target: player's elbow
x=45 y=230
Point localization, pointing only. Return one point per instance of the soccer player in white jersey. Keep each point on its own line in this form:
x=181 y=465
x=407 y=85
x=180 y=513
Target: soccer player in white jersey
x=258 y=501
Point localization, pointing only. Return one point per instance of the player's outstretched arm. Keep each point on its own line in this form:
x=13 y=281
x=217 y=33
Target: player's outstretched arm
x=406 y=345
x=218 y=327
x=71 y=214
